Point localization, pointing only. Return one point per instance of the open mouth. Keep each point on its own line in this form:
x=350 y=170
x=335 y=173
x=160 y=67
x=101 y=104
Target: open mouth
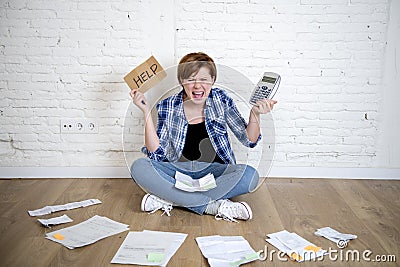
x=197 y=95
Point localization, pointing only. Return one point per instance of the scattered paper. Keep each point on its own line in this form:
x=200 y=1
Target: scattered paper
x=296 y=247
x=186 y=183
x=340 y=239
x=228 y=251
x=148 y=248
x=87 y=232
x=69 y=206
x=55 y=220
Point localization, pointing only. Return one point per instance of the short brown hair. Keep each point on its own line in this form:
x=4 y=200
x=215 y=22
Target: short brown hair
x=191 y=63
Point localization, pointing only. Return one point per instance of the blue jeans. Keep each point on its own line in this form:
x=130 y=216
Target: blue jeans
x=157 y=178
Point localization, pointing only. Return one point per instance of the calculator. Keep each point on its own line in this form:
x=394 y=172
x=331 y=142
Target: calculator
x=266 y=87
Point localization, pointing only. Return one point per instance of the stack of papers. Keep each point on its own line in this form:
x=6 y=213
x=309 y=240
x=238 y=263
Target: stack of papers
x=55 y=220
x=296 y=247
x=69 y=206
x=87 y=232
x=148 y=248
x=226 y=251
x=340 y=239
x=186 y=183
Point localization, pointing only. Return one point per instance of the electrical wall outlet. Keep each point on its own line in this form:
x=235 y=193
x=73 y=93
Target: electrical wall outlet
x=79 y=126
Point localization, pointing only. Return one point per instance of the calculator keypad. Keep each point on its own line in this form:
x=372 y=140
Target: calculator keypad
x=261 y=92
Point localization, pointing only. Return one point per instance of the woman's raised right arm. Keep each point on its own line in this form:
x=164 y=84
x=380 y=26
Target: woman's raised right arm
x=151 y=140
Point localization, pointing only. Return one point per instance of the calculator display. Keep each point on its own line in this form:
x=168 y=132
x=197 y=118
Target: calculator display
x=267 y=79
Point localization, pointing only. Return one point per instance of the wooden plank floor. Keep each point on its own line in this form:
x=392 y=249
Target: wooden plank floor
x=368 y=208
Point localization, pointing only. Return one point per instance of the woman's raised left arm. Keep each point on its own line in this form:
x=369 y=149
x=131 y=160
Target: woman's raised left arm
x=262 y=107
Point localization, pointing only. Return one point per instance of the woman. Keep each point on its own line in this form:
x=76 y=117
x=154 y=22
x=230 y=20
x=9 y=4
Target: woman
x=191 y=138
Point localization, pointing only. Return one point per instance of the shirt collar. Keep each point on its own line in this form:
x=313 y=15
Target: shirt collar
x=213 y=109
x=178 y=105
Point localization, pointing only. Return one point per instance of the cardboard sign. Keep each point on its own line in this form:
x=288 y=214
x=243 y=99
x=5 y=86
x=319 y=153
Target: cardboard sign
x=146 y=75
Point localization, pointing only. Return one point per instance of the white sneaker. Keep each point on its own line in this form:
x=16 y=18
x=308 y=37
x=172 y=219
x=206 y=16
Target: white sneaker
x=153 y=203
x=230 y=211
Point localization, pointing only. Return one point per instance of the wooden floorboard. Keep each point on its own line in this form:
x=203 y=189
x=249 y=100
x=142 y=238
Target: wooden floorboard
x=367 y=208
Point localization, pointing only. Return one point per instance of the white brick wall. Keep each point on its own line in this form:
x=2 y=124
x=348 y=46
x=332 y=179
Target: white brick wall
x=66 y=59
x=330 y=55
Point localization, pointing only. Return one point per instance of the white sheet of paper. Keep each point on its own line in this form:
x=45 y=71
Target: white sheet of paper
x=49 y=209
x=87 y=232
x=178 y=239
x=138 y=245
x=291 y=242
x=278 y=244
x=186 y=183
x=225 y=250
x=334 y=235
x=55 y=220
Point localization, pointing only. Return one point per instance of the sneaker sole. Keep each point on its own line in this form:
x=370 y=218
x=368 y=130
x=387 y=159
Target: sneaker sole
x=248 y=210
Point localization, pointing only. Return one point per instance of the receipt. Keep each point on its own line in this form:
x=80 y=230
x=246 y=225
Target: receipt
x=340 y=239
x=55 y=220
x=69 y=206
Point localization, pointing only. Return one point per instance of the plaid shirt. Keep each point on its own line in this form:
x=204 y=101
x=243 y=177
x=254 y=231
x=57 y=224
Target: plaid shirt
x=219 y=112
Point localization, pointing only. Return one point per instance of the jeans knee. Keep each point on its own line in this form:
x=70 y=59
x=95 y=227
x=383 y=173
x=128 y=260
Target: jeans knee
x=138 y=166
x=252 y=174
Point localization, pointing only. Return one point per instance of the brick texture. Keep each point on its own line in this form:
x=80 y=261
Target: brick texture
x=66 y=59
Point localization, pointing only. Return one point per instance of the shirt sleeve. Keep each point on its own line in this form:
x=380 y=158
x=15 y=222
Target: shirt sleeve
x=237 y=124
x=159 y=153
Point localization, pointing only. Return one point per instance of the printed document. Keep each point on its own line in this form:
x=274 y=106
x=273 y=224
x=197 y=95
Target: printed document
x=148 y=248
x=296 y=247
x=87 y=232
x=228 y=251
x=68 y=206
x=186 y=183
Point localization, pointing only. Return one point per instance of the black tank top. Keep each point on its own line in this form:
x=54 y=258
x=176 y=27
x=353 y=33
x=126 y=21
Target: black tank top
x=198 y=145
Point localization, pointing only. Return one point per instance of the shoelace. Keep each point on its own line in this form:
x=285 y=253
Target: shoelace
x=221 y=215
x=165 y=207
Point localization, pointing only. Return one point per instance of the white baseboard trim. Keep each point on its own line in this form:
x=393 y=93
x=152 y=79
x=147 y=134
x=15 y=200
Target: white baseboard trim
x=64 y=172
x=335 y=173
x=123 y=172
